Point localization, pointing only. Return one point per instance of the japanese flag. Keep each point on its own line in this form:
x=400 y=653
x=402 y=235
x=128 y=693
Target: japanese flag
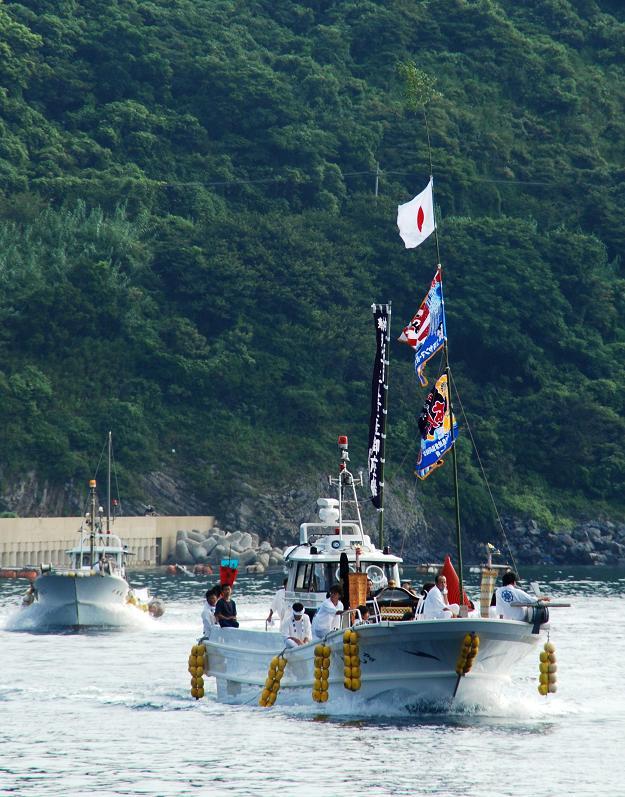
x=415 y=219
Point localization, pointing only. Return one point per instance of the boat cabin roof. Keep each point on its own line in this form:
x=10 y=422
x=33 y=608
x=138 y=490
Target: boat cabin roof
x=325 y=542
x=103 y=543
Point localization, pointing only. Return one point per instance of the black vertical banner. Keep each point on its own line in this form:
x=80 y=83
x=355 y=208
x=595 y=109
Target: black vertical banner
x=379 y=392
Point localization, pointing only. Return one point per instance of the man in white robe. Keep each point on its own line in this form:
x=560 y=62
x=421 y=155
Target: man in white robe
x=509 y=593
x=278 y=605
x=328 y=616
x=436 y=605
x=296 y=627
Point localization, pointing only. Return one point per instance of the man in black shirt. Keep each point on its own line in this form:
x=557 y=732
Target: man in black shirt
x=226 y=609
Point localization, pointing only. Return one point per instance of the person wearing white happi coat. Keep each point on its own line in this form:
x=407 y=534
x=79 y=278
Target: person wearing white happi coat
x=278 y=605
x=208 y=612
x=328 y=616
x=296 y=627
x=436 y=606
x=509 y=593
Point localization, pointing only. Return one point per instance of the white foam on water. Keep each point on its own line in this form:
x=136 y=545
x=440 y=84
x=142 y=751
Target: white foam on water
x=34 y=618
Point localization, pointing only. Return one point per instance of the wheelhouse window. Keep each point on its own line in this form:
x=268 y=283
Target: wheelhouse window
x=312 y=577
x=390 y=570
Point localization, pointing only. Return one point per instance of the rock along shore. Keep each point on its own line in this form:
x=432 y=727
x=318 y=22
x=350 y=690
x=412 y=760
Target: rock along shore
x=209 y=548
x=593 y=542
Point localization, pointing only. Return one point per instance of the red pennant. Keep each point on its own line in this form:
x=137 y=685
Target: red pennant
x=453 y=583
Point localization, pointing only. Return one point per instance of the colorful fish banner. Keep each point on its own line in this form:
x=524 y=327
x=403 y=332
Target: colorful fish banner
x=435 y=428
x=427 y=331
x=379 y=393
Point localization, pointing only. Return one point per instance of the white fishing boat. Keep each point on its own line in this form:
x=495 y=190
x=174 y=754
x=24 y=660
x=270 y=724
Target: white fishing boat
x=397 y=658
x=92 y=591
x=408 y=664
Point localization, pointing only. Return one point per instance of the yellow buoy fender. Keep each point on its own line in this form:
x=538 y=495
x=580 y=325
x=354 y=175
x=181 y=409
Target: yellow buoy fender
x=272 y=682
x=197 y=664
x=468 y=653
x=547 y=678
x=351 y=661
x=321 y=673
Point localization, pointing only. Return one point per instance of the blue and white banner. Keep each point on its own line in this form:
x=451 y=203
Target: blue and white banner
x=435 y=428
x=427 y=331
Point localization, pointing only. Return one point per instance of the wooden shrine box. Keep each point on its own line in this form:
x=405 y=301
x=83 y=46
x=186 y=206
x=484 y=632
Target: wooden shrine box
x=357 y=588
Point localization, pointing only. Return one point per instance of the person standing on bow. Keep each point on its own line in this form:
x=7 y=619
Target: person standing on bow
x=226 y=609
x=436 y=605
x=328 y=614
x=278 y=605
x=296 y=627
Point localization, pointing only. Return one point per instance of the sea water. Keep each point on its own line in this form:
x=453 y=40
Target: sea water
x=110 y=712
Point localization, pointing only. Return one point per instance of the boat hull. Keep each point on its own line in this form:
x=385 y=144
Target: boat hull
x=407 y=665
x=80 y=599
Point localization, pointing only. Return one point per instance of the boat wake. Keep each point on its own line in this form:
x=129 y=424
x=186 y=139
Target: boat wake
x=526 y=712
x=34 y=619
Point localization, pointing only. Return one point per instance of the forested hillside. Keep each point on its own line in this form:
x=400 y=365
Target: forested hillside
x=190 y=239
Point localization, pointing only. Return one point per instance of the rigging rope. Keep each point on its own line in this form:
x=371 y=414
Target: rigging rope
x=114 y=467
x=479 y=459
x=293 y=179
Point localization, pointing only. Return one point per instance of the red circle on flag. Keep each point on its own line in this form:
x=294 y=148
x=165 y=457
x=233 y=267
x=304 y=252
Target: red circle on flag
x=420 y=218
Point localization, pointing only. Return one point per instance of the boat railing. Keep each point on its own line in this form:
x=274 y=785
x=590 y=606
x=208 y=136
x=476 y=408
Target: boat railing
x=113 y=569
x=348 y=528
x=377 y=615
x=418 y=613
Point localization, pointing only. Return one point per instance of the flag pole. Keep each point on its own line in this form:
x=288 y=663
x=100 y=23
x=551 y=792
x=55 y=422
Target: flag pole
x=454 y=461
x=454 y=457
x=384 y=417
x=427 y=132
x=419 y=92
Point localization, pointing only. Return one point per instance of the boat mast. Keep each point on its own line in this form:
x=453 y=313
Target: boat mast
x=454 y=458
x=346 y=477
x=342 y=467
x=92 y=486
x=454 y=461
x=108 y=487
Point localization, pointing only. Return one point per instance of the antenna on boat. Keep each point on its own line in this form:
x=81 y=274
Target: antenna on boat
x=108 y=485
x=346 y=479
x=92 y=486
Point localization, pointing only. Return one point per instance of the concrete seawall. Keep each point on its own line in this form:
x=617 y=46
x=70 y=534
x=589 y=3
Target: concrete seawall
x=35 y=541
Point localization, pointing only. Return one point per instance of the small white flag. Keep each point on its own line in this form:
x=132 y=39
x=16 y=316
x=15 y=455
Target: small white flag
x=415 y=219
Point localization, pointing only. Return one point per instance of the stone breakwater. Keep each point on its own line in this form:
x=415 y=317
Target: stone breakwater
x=593 y=542
x=209 y=548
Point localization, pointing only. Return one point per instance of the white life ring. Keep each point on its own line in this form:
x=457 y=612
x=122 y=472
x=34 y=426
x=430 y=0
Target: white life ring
x=337 y=573
x=377 y=577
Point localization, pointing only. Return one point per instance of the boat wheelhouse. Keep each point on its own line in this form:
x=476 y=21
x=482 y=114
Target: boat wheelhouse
x=313 y=565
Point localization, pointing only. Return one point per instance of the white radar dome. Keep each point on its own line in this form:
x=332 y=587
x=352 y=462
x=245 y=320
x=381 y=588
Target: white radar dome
x=321 y=502
x=329 y=514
